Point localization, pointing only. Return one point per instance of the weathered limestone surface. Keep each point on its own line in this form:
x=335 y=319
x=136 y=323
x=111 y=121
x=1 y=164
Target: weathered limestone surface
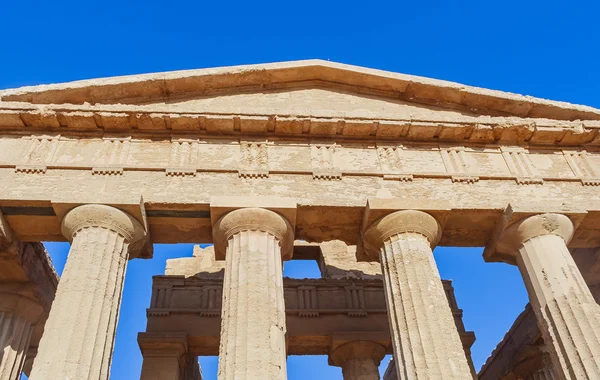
x=27 y=286
x=168 y=358
x=567 y=313
x=426 y=342
x=359 y=359
x=253 y=318
x=521 y=352
x=80 y=331
x=18 y=315
x=335 y=140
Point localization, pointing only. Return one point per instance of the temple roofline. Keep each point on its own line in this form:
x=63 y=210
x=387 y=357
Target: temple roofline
x=259 y=77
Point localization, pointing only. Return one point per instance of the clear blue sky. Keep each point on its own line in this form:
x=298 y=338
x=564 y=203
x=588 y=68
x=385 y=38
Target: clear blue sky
x=548 y=49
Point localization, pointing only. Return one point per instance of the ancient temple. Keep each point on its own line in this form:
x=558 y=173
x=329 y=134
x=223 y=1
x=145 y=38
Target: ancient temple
x=293 y=161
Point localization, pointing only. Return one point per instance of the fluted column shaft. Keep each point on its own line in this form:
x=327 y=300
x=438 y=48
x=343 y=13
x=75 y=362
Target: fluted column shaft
x=18 y=314
x=360 y=369
x=544 y=374
x=80 y=330
x=567 y=314
x=566 y=310
x=424 y=336
x=253 y=328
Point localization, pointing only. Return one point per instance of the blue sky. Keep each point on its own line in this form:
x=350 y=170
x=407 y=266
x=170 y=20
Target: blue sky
x=548 y=49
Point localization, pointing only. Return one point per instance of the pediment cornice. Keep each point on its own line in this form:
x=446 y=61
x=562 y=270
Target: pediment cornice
x=147 y=88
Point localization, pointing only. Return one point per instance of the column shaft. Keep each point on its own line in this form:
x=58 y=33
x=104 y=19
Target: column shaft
x=161 y=368
x=15 y=333
x=566 y=310
x=426 y=342
x=80 y=331
x=360 y=369
x=543 y=374
x=253 y=314
x=192 y=370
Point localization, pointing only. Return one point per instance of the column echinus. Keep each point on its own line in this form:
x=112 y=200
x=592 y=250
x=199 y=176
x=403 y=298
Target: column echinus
x=18 y=315
x=80 y=331
x=425 y=341
x=359 y=359
x=567 y=314
x=252 y=344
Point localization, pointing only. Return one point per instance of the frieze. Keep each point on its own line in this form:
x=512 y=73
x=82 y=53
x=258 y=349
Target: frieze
x=332 y=160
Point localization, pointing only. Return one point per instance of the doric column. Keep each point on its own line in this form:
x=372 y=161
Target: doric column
x=424 y=336
x=80 y=331
x=567 y=314
x=359 y=359
x=18 y=314
x=166 y=357
x=192 y=370
x=544 y=373
x=253 y=314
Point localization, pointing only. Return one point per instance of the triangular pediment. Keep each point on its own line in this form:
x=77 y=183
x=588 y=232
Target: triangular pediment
x=311 y=87
x=308 y=102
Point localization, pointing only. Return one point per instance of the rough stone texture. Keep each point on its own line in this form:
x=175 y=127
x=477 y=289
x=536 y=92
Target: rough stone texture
x=338 y=260
x=514 y=355
x=79 y=337
x=344 y=145
x=426 y=342
x=168 y=358
x=18 y=315
x=27 y=286
x=329 y=136
x=359 y=359
x=253 y=320
x=567 y=313
x=202 y=264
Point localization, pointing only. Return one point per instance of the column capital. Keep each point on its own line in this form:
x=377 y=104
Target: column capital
x=512 y=237
x=97 y=215
x=173 y=345
x=21 y=306
x=357 y=349
x=399 y=222
x=253 y=219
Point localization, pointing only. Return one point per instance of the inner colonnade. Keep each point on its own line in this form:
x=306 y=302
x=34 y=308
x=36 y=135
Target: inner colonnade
x=253 y=159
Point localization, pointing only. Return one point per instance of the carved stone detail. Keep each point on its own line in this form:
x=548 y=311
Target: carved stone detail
x=520 y=165
x=567 y=313
x=389 y=158
x=581 y=166
x=80 y=331
x=456 y=164
x=39 y=154
x=359 y=359
x=355 y=301
x=183 y=158
x=323 y=162
x=253 y=316
x=254 y=159
x=424 y=335
x=308 y=305
x=115 y=152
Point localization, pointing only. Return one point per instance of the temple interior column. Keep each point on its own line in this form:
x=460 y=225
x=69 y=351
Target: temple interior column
x=424 y=336
x=546 y=372
x=567 y=313
x=169 y=359
x=80 y=330
x=359 y=359
x=253 y=328
x=18 y=315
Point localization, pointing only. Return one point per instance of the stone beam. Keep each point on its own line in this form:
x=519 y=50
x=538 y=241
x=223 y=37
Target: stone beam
x=316 y=309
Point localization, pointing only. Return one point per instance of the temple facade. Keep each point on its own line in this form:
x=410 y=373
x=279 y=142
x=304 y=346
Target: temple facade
x=271 y=163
